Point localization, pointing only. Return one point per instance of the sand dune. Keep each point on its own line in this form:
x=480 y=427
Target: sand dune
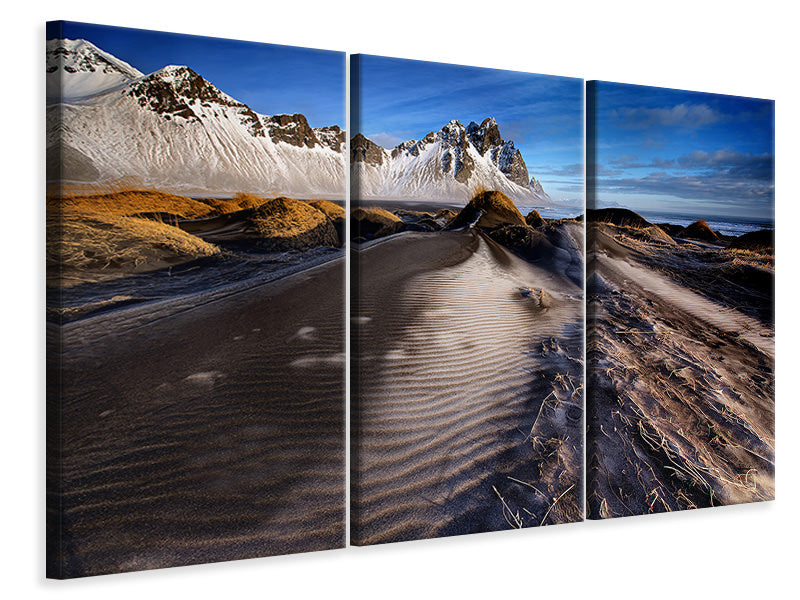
x=681 y=385
x=205 y=430
x=467 y=402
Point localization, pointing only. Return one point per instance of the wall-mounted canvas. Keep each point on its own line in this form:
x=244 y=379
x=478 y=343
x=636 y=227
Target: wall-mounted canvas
x=195 y=299
x=680 y=289
x=467 y=300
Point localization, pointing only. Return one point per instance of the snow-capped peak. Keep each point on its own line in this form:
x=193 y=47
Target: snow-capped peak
x=450 y=163
x=175 y=130
x=78 y=68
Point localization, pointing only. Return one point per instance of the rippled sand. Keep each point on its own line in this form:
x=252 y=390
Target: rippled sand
x=467 y=403
x=204 y=429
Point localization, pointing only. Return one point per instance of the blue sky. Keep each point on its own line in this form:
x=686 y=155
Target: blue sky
x=270 y=79
x=684 y=152
x=542 y=115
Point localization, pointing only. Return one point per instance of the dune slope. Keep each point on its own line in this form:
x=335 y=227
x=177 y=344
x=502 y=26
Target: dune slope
x=681 y=386
x=202 y=430
x=467 y=394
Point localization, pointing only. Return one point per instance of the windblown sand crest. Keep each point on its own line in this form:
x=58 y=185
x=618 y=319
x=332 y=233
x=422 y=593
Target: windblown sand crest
x=467 y=394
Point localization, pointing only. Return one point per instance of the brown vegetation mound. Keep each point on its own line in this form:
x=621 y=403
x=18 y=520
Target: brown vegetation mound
x=534 y=219
x=107 y=246
x=288 y=224
x=331 y=209
x=699 y=230
x=335 y=213
x=762 y=240
x=497 y=208
x=371 y=223
x=617 y=216
x=130 y=202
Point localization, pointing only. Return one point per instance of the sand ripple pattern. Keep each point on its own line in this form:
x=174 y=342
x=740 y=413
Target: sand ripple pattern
x=451 y=374
x=213 y=434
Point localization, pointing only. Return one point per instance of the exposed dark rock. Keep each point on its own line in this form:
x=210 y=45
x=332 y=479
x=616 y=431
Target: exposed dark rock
x=537 y=187
x=363 y=149
x=512 y=165
x=333 y=136
x=168 y=91
x=292 y=129
x=484 y=136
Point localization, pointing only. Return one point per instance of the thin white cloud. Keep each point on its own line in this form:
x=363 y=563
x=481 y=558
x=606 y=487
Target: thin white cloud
x=691 y=116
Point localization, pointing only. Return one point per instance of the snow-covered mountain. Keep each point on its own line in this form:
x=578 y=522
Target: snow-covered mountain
x=77 y=68
x=175 y=130
x=449 y=164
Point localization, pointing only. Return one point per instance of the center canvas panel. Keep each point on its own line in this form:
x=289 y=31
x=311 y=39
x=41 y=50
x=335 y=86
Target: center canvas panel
x=467 y=235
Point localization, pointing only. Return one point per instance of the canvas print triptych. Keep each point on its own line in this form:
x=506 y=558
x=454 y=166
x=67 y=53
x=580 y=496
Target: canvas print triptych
x=561 y=300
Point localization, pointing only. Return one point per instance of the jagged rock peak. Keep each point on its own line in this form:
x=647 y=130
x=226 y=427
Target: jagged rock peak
x=332 y=136
x=484 y=136
x=363 y=149
x=536 y=186
x=185 y=83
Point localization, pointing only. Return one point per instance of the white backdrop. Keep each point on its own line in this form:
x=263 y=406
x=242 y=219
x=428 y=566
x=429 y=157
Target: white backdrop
x=732 y=47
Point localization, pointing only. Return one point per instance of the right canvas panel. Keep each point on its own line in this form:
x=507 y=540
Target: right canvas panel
x=680 y=300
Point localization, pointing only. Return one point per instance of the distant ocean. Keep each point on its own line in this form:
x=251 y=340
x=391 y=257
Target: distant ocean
x=725 y=225
x=733 y=226
x=553 y=212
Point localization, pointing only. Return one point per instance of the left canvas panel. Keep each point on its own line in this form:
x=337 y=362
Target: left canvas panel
x=195 y=299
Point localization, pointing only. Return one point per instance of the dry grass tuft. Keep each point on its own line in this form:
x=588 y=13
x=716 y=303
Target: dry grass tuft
x=286 y=223
x=131 y=202
x=245 y=200
x=333 y=210
x=111 y=245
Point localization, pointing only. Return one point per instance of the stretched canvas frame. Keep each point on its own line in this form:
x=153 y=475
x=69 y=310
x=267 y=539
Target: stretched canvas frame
x=196 y=315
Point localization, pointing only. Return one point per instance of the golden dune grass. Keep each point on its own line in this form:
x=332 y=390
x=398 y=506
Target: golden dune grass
x=333 y=210
x=130 y=202
x=97 y=241
x=286 y=217
x=376 y=213
x=113 y=230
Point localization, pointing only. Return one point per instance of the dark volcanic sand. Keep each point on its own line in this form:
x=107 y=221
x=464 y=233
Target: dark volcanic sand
x=415 y=205
x=467 y=395
x=681 y=390
x=204 y=430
